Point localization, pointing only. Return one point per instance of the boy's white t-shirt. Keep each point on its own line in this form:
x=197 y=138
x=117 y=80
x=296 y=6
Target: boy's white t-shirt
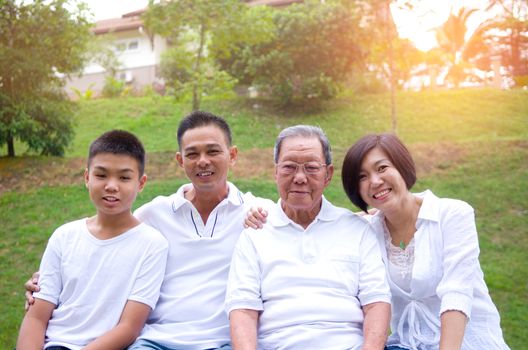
x=90 y=280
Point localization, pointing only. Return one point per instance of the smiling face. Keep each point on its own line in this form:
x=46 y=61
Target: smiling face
x=301 y=193
x=206 y=157
x=380 y=184
x=113 y=182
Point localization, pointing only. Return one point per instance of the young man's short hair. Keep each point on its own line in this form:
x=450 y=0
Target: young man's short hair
x=119 y=142
x=198 y=119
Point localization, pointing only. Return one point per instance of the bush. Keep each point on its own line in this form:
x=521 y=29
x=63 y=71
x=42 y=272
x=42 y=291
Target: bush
x=113 y=87
x=521 y=80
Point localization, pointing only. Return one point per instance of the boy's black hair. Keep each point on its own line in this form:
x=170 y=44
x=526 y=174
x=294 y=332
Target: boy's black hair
x=199 y=118
x=119 y=142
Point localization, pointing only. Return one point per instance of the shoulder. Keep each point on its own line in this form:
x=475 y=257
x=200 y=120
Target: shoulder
x=346 y=215
x=152 y=235
x=69 y=229
x=449 y=207
x=441 y=209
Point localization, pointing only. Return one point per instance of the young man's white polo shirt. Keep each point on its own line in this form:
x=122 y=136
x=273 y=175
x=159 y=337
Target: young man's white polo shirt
x=189 y=313
x=309 y=284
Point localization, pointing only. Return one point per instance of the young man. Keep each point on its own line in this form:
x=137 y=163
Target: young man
x=99 y=276
x=202 y=221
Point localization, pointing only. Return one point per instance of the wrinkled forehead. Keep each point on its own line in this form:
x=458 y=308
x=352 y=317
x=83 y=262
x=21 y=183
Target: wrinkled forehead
x=306 y=147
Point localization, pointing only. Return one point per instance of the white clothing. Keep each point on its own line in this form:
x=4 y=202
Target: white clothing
x=189 y=313
x=446 y=275
x=90 y=280
x=309 y=284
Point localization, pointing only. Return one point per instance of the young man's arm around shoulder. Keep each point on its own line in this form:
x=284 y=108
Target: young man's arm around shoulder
x=126 y=331
x=243 y=324
x=34 y=325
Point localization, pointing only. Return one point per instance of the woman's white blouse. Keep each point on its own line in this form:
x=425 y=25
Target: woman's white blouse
x=446 y=275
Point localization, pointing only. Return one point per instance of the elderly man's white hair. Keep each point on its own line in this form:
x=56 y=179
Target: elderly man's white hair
x=307 y=131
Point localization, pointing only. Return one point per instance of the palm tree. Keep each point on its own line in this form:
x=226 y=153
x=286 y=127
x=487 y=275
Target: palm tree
x=451 y=37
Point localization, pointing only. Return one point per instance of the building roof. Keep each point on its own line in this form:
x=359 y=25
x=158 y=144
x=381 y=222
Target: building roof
x=132 y=20
x=275 y=3
x=128 y=21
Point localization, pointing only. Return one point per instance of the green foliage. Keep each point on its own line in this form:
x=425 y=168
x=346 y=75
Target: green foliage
x=201 y=31
x=312 y=52
x=113 y=87
x=182 y=80
x=87 y=95
x=32 y=109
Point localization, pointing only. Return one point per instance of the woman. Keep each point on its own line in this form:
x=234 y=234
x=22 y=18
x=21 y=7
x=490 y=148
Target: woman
x=430 y=249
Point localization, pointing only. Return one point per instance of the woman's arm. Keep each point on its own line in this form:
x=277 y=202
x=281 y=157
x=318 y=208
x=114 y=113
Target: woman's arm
x=453 y=325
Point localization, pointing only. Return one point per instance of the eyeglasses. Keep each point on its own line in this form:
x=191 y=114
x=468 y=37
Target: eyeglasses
x=289 y=168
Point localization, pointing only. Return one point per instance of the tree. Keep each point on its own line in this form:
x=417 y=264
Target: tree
x=313 y=51
x=39 y=42
x=199 y=32
x=451 y=37
x=506 y=36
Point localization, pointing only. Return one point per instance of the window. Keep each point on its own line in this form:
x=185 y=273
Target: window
x=133 y=45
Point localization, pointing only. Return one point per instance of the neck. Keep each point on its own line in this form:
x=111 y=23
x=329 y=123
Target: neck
x=110 y=226
x=401 y=222
x=205 y=202
x=302 y=217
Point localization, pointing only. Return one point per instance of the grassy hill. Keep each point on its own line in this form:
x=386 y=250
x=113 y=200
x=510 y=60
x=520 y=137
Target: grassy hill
x=468 y=144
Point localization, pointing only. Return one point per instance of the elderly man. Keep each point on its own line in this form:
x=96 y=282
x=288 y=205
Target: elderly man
x=313 y=277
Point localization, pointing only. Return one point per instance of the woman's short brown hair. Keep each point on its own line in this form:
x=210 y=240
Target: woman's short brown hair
x=398 y=154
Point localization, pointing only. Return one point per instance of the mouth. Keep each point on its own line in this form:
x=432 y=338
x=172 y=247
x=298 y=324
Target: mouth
x=381 y=194
x=298 y=192
x=204 y=174
x=110 y=199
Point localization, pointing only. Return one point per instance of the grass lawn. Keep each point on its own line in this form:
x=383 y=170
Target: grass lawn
x=468 y=144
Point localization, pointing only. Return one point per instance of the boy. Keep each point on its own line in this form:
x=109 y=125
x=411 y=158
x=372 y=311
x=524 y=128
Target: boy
x=99 y=276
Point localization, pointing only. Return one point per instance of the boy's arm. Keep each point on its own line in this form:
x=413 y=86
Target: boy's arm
x=34 y=325
x=126 y=331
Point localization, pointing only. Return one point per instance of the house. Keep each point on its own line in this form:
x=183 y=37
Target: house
x=137 y=51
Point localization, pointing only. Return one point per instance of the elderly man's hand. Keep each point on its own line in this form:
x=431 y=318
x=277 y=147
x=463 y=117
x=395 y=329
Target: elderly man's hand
x=31 y=287
x=255 y=218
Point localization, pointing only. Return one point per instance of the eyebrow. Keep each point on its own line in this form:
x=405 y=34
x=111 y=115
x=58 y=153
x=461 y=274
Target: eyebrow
x=208 y=146
x=125 y=170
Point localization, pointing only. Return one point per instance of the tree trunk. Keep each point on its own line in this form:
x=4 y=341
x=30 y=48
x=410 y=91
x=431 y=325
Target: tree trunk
x=390 y=36
x=196 y=88
x=515 y=52
x=10 y=145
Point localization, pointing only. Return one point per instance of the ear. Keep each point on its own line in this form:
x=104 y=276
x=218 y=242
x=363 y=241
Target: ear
x=86 y=177
x=329 y=174
x=179 y=159
x=233 y=155
x=142 y=182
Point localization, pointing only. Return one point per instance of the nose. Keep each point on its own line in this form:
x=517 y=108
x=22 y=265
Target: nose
x=203 y=160
x=300 y=177
x=111 y=185
x=375 y=179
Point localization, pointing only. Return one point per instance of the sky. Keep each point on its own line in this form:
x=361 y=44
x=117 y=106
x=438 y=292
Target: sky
x=416 y=25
